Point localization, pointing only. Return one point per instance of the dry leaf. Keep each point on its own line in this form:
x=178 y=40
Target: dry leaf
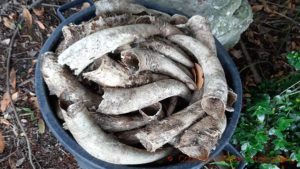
x=247 y=95
x=9 y=23
x=34 y=102
x=30 y=70
x=294 y=45
x=39 y=11
x=2 y=143
x=34 y=61
x=13 y=16
x=20 y=162
x=5 y=122
x=5 y=102
x=85 y=6
x=12 y=163
x=40 y=24
x=280 y=158
x=236 y=53
x=13 y=79
x=257 y=8
x=41 y=126
x=15 y=96
x=200 y=79
x=267 y=9
x=5 y=42
x=27 y=16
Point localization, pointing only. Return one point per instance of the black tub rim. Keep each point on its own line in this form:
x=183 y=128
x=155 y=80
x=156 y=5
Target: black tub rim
x=81 y=155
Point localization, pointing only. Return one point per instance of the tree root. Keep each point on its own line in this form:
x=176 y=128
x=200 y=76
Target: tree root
x=119 y=123
x=169 y=51
x=111 y=74
x=62 y=82
x=101 y=145
x=178 y=19
x=215 y=85
x=111 y=6
x=199 y=139
x=172 y=106
x=72 y=33
x=148 y=60
x=200 y=29
x=100 y=43
x=122 y=101
x=160 y=133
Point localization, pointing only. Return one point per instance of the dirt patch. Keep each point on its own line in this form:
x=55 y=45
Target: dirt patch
x=45 y=147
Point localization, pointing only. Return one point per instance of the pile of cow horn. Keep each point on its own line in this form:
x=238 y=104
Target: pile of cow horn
x=134 y=77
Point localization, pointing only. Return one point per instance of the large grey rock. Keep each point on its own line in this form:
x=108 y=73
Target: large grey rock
x=228 y=18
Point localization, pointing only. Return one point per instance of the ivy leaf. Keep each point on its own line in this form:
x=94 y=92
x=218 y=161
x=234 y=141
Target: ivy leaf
x=272 y=131
x=268 y=166
x=295 y=156
x=284 y=123
x=261 y=117
x=280 y=144
x=245 y=146
x=262 y=138
x=294 y=59
x=30 y=112
x=221 y=163
x=270 y=125
x=262 y=106
x=278 y=133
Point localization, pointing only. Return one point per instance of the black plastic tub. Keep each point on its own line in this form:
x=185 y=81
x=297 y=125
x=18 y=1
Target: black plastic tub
x=85 y=160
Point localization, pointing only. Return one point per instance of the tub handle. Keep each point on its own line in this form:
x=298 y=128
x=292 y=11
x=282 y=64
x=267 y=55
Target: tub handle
x=69 y=5
x=235 y=152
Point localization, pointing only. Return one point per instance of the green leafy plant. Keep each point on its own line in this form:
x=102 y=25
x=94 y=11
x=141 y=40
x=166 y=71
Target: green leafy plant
x=268 y=166
x=268 y=132
x=28 y=112
x=294 y=59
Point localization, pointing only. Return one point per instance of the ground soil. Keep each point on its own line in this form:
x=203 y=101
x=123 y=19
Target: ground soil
x=269 y=38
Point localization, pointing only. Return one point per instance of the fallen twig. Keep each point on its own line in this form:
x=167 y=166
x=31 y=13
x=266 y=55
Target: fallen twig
x=50 y=5
x=286 y=17
x=26 y=81
x=256 y=76
x=267 y=9
x=254 y=63
x=16 y=31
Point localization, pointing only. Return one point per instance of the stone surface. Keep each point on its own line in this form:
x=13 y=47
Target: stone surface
x=228 y=18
